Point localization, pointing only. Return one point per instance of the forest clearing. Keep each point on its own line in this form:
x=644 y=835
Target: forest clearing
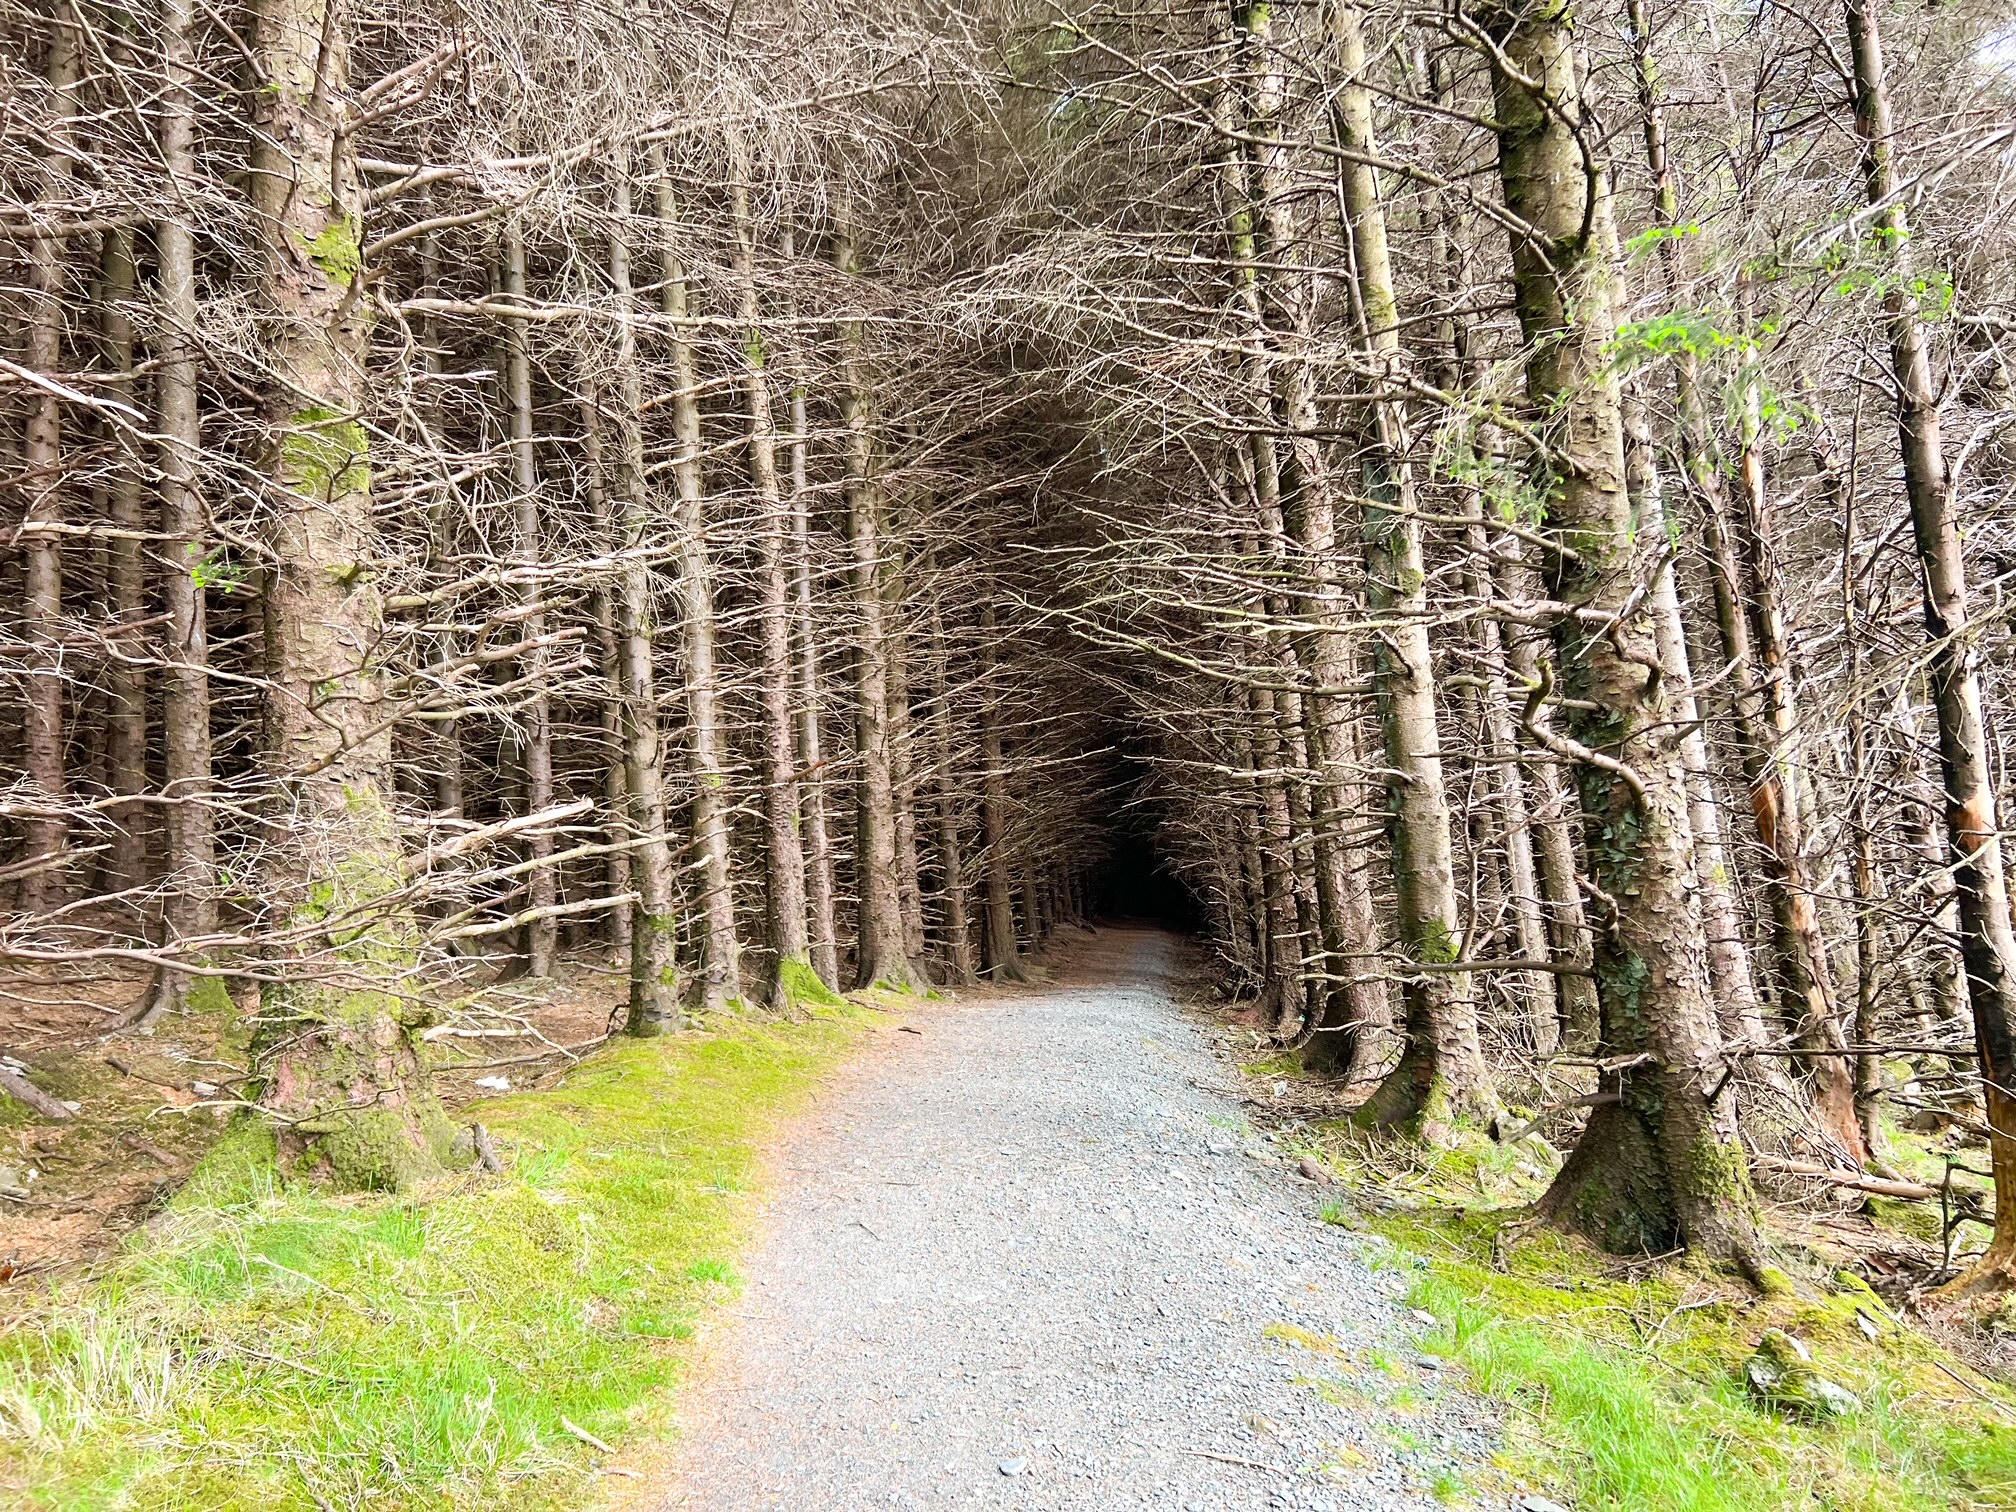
x=1046 y=753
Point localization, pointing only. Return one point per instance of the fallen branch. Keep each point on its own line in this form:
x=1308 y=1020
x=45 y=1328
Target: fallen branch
x=1233 y=1459
x=585 y=1436
x=1855 y=1181
x=22 y=1090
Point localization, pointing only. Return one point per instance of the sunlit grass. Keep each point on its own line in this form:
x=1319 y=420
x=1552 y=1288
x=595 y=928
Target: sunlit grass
x=269 y=1346
x=1628 y=1395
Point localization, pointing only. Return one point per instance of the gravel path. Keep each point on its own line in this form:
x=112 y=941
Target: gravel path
x=1024 y=1259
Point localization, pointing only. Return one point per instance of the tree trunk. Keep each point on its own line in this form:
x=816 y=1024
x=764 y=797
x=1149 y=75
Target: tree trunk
x=1728 y=956
x=1987 y=938
x=125 y=585
x=902 y=773
x=882 y=957
x=1663 y=1164
x=535 y=734
x=654 y=920
x=339 y=1063
x=958 y=924
x=791 y=976
x=609 y=664
x=47 y=826
x=1441 y=1077
x=719 y=980
x=190 y=907
x=1001 y=955
x=819 y=883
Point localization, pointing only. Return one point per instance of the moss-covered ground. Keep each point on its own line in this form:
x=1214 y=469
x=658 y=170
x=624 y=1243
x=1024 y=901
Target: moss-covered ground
x=267 y=1345
x=1623 y=1383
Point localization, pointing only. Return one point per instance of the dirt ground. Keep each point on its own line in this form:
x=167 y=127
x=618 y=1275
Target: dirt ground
x=148 y=1103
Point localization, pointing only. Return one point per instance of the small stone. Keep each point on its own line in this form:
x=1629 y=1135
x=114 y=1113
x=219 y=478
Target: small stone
x=203 y=1089
x=1533 y=1503
x=1014 y=1466
x=1781 y=1373
x=1424 y=1317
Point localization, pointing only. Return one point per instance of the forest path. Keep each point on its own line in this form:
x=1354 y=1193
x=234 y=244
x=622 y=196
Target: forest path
x=1029 y=1257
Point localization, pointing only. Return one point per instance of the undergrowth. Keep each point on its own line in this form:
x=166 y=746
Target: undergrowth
x=266 y=1345
x=1624 y=1387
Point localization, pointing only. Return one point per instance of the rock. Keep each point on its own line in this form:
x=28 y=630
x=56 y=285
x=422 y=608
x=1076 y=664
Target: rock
x=1781 y=1374
x=1311 y=1169
x=1422 y=1316
x=1533 y=1503
x=1014 y=1466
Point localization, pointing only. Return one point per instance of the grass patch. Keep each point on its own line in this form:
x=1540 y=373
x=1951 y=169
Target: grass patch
x=266 y=1345
x=1628 y=1394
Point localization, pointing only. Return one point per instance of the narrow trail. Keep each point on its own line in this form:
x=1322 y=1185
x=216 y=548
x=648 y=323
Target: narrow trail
x=1027 y=1258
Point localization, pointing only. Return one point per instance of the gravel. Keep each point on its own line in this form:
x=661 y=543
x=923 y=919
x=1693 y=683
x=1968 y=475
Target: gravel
x=1031 y=1257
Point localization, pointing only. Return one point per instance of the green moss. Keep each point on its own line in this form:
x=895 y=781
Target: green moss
x=267 y=1345
x=1437 y=946
x=323 y=454
x=798 y=983
x=209 y=996
x=1629 y=1393
x=370 y=1150
x=243 y=1166
x=337 y=252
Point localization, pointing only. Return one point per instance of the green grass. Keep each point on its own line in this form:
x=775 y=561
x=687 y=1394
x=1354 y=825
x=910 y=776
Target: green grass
x=1627 y=1395
x=270 y=1346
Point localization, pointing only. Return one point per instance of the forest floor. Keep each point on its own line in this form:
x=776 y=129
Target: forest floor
x=1033 y=1254
x=1086 y=1242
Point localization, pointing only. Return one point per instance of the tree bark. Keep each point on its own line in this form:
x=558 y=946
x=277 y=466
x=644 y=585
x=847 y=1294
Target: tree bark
x=790 y=977
x=340 y=1066
x=1663 y=1164
x=654 y=920
x=535 y=733
x=609 y=664
x=1001 y=955
x=190 y=908
x=960 y=968
x=43 y=734
x=125 y=584
x=882 y=957
x=1441 y=1078
x=819 y=882
x=718 y=982
x=1980 y=884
